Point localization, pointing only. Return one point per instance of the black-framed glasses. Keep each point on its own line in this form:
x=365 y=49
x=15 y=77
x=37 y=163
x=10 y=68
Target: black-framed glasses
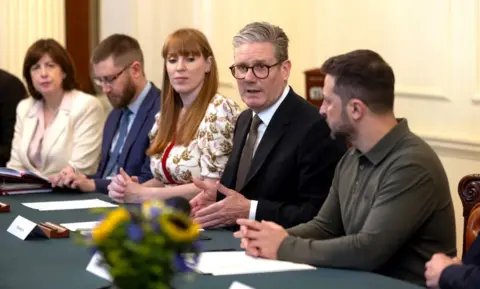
x=109 y=80
x=261 y=71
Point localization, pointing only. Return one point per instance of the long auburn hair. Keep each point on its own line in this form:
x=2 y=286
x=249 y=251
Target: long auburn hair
x=184 y=42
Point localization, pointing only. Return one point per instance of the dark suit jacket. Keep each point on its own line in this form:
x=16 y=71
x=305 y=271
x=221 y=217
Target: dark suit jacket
x=466 y=276
x=293 y=166
x=133 y=158
x=12 y=91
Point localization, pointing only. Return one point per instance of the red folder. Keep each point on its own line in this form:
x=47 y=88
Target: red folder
x=13 y=182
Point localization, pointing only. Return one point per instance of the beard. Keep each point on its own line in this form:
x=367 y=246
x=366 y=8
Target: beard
x=344 y=130
x=122 y=100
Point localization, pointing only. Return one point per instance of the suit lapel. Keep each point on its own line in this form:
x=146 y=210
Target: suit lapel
x=29 y=127
x=138 y=122
x=240 y=136
x=275 y=131
x=57 y=127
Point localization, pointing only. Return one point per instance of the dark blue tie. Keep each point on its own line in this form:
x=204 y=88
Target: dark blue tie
x=112 y=165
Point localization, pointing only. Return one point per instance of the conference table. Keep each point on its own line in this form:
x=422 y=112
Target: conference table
x=61 y=263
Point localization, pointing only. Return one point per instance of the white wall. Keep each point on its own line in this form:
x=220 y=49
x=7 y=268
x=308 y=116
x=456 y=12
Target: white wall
x=22 y=22
x=150 y=22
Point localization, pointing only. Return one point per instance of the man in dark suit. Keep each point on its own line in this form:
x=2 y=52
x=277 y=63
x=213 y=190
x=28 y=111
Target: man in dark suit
x=283 y=158
x=118 y=67
x=12 y=91
x=445 y=272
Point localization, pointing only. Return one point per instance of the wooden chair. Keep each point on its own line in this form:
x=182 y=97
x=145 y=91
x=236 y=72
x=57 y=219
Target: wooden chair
x=469 y=191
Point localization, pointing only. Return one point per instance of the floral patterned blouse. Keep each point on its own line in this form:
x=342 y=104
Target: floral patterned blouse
x=207 y=154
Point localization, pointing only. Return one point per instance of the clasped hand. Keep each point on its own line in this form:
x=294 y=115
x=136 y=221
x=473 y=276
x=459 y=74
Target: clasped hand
x=125 y=189
x=67 y=178
x=260 y=239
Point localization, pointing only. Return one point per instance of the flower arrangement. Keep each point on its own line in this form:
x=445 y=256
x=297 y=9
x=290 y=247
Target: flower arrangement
x=147 y=245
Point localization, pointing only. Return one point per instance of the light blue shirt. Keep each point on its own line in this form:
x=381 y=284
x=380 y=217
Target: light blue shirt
x=266 y=116
x=134 y=107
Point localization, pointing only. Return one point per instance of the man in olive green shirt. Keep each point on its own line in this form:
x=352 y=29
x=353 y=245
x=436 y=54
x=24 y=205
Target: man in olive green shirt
x=389 y=208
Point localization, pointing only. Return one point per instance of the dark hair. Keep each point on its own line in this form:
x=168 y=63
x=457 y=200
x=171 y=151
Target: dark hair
x=122 y=48
x=58 y=54
x=364 y=75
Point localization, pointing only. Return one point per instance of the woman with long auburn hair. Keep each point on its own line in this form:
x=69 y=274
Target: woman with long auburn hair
x=193 y=135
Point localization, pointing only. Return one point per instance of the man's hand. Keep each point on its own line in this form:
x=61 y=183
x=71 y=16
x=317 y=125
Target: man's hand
x=435 y=267
x=225 y=212
x=124 y=188
x=84 y=184
x=206 y=197
x=260 y=239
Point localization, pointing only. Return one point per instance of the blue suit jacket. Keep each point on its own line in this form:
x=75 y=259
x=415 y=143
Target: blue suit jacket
x=466 y=276
x=133 y=158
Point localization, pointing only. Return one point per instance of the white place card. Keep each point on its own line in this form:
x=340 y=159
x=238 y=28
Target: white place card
x=238 y=285
x=96 y=267
x=22 y=228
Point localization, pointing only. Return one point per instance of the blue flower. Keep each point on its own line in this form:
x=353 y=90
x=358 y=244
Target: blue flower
x=180 y=264
x=135 y=232
x=154 y=212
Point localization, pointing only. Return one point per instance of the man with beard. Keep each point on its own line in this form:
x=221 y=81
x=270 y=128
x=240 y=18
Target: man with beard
x=119 y=70
x=389 y=208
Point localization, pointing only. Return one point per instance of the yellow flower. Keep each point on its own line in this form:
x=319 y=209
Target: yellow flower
x=179 y=227
x=114 y=218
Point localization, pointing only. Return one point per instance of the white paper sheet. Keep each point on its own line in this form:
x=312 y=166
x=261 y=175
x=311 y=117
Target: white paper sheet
x=80 y=226
x=69 y=205
x=239 y=285
x=232 y=263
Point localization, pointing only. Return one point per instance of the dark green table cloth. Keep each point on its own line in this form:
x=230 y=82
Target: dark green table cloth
x=61 y=263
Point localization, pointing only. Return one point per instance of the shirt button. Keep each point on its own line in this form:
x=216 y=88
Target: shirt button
x=361 y=167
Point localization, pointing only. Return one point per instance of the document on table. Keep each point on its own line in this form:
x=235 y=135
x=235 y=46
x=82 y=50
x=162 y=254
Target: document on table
x=232 y=263
x=80 y=226
x=69 y=205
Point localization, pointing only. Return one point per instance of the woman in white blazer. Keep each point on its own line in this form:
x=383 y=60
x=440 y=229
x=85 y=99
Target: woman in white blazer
x=58 y=126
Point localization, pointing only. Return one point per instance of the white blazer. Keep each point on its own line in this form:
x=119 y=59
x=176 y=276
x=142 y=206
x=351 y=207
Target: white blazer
x=74 y=137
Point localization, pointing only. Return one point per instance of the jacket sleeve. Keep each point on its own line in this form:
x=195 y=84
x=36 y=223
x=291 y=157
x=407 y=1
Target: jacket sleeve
x=87 y=137
x=460 y=277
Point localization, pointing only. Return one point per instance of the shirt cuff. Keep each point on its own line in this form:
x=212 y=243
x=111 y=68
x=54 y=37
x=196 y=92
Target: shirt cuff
x=253 y=209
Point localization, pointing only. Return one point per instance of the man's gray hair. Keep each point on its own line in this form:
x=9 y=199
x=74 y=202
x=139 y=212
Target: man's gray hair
x=264 y=32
